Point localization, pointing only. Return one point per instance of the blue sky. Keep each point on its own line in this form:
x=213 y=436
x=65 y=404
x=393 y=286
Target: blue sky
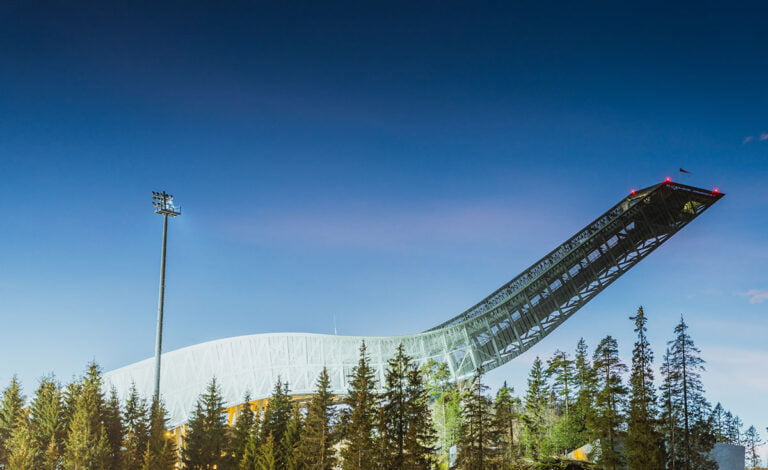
x=390 y=164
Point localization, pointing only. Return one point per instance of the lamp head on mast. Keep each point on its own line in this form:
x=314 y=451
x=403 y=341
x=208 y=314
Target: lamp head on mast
x=163 y=203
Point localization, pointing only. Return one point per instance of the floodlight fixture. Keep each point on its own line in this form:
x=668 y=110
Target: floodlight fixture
x=163 y=203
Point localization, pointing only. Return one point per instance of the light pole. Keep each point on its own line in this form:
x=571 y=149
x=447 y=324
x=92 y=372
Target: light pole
x=163 y=203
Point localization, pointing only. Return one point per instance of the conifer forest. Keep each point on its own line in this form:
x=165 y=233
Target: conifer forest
x=583 y=408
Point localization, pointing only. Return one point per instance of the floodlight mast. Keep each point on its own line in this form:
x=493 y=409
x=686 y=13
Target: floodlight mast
x=163 y=203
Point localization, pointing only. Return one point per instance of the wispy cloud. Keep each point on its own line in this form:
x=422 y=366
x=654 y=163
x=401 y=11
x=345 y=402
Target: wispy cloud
x=388 y=228
x=761 y=137
x=756 y=296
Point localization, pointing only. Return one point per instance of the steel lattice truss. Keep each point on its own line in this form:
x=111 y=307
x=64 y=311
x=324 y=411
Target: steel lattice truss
x=502 y=326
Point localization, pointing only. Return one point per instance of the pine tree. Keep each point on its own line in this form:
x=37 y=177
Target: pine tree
x=265 y=459
x=505 y=422
x=316 y=448
x=86 y=445
x=22 y=448
x=608 y=402
x=420 y=439
x=752 y=443
x=47 y=423
x=11 y=411
x=476 y=450
x=114 y=429
x=445 y=399
x=206 y=438
x=560 y=372
x=287 y=455
x=276 y=419
x=160 y=453
x=718 y=418
x=733 y=427
x=250 y=458
x=242 y=430
x=644 y=444
x=685 y=394
x=584 y=381
x=406 y=428
x=535 y=411
x=136 y=429
x=359 y=417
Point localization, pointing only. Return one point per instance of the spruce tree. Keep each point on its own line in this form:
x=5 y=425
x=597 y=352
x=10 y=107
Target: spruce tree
x=476 y=450
x=535 y=411
x=644 y=445
x=114 y=429
x=406 y=429
x=718 y=418
x=317 y=446
x=22 y=448
x=560 y=371
x=608 y=402
x=206 y=439
x=288 y=458
x=160 y=453
x=276 y=419
x=86 y=445
x=584 y=381
x=505 y=422
x=687 y=403
x=11 y=411
x=752 y=443
x=136 y=429
x=242 y=430
x=445 y=400
x=265 y=459
x=251 y=452
x=359 y=417
x=47 y=423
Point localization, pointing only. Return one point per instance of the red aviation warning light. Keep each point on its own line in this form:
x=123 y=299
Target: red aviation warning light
x=716 y=190
x=634 y=191
x=668 y=180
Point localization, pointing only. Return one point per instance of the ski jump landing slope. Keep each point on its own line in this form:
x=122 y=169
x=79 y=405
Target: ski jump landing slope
x=502 y=326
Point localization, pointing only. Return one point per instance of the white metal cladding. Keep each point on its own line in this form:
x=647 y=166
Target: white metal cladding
x=499 y=328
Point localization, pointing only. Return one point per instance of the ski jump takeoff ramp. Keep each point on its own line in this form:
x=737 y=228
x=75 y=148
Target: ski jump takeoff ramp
x=503 y=325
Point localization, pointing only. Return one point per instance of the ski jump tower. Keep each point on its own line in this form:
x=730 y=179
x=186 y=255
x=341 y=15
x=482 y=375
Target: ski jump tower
x=502 y=326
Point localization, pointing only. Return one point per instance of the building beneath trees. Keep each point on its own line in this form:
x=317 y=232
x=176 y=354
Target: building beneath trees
x=499 y=328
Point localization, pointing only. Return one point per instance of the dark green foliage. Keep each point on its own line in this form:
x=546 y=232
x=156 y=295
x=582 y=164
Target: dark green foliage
x=536 y=402
x=47 y=423
x=505 y=425
x=22 y=449
x=359 y=452
x=11 y=411
x=752 y=443
x=277 y=416
x=114 y=429
x=560 y=372
x=689 y=430
x=406 y=430
x=135 y=429
x=445 y=400
x=316 y=447
x=86 y=445
x=244 y=426
x=288 y=458
x=644 y=445
x=476 y=440
x=206 y=438
x=161 y=448
x=609 y=401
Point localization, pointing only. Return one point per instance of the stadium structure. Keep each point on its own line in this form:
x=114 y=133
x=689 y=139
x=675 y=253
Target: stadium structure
x=500 y=327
